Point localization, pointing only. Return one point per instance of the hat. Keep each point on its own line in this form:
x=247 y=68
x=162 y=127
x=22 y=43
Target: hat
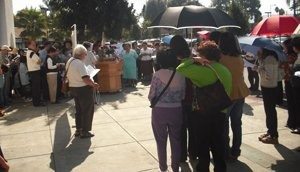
x=5 y=47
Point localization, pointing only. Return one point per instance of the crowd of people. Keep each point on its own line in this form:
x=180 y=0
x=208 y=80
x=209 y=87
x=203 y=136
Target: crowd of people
x=176 y=71
x=220 y=58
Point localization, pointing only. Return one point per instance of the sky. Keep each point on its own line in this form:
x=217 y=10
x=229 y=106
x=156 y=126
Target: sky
x=266 y=5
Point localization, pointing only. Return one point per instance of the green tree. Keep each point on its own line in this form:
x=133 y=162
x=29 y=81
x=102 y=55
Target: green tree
x=221 y=4
x=295 y=5
x=250 y=7
x=153 y=8
x=174 y=3
x=32 y=21
x=235 y=11
x=94 y=17
x=280 y=11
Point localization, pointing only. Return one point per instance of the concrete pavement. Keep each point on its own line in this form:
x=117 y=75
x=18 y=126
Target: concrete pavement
x=41 y=139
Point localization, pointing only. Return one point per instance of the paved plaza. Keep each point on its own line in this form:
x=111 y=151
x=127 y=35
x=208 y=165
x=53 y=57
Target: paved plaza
x=41 y=139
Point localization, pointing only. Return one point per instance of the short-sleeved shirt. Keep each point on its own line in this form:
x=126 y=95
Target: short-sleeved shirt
x=76 y=72
x=146 y=54
x=32 y=61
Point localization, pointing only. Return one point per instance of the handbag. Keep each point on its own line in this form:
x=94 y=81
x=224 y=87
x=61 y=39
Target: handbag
x=211 y=98
x=65 y=82
x=155 y=99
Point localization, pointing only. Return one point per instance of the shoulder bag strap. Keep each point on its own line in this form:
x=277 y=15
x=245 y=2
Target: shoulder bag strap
x=214 y=71
x=163 y=91
x=68 y=68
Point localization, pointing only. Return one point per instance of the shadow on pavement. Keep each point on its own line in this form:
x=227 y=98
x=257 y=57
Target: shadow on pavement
x=291 y=160
x=248 y=110
x=68 y=152
x=238 y=166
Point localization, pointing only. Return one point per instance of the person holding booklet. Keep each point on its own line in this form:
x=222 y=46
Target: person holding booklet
x=81 y=86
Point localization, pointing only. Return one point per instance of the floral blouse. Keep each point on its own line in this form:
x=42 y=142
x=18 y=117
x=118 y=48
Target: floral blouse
x=174 y=94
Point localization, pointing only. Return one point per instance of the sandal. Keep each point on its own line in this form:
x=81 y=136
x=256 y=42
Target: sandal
x=270 y=140
x=263 y=136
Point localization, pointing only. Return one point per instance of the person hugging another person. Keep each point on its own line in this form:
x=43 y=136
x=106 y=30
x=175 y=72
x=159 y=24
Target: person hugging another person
x=208 y=128
x=167 y=113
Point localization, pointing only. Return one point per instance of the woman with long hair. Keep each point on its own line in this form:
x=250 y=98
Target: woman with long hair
x=231 y=58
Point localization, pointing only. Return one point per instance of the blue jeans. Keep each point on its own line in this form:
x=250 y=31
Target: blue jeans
x=234 y=113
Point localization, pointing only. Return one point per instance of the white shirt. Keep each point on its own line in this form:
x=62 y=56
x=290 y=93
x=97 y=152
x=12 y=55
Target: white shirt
x=146 y=54
x=51 y=66
x=76 y=70
x=32 y=62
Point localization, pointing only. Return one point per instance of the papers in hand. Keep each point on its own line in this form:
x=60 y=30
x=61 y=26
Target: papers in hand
x=92 y=71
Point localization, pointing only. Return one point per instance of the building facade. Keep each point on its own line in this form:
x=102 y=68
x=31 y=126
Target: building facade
x=7 y=32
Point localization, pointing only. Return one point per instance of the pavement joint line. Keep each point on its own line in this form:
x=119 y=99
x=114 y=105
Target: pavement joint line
x=283 y=129
x=26 y=132
x=123 y=108
x=132 y=137
x=105 y=146
x=31 y=156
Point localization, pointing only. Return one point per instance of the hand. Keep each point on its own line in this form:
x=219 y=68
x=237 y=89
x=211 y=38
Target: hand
x=201 y=60
x=96 y=85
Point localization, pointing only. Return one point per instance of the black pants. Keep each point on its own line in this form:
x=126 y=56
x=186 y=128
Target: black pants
x=44 y=84
x=291 y=122
x=296 y=96
x=35 y=77
x=209 y=136
x=84 y=105
x=279 y=93
x=187 y=135
x=253 y=78
x=269 y=99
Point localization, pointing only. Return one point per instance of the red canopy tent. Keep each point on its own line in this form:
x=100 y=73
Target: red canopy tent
x=279 y=25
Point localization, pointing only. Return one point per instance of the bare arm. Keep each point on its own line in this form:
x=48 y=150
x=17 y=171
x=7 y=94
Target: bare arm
x=87 y=80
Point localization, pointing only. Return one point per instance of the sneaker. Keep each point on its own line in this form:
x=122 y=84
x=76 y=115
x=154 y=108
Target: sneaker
x=263 y=136
x=270 y=140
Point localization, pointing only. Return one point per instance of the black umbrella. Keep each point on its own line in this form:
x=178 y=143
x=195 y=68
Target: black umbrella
x=193 y=17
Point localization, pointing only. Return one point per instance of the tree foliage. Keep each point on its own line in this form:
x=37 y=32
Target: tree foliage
x=32 y=21
x=153 y=8
x=174 y=3
x=235 y=11
x=94 y=17
x=250 y=7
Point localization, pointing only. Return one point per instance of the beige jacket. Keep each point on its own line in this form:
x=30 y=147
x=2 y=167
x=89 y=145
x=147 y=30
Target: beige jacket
x=268 y=71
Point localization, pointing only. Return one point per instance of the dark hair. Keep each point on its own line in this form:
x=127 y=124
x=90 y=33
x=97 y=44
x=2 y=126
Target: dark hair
x=215 y=36
x=288 y=44
x=266 y=52
x=87 y=44
x=180 y=46
x=210 y=50
x=166 y=59
x=229 y=45
x=296 y=43
x=144 y=43
x=52 y=49
x=23 y=59
x=67 y=41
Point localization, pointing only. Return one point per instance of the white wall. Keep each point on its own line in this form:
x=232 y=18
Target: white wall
x=7 y=32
